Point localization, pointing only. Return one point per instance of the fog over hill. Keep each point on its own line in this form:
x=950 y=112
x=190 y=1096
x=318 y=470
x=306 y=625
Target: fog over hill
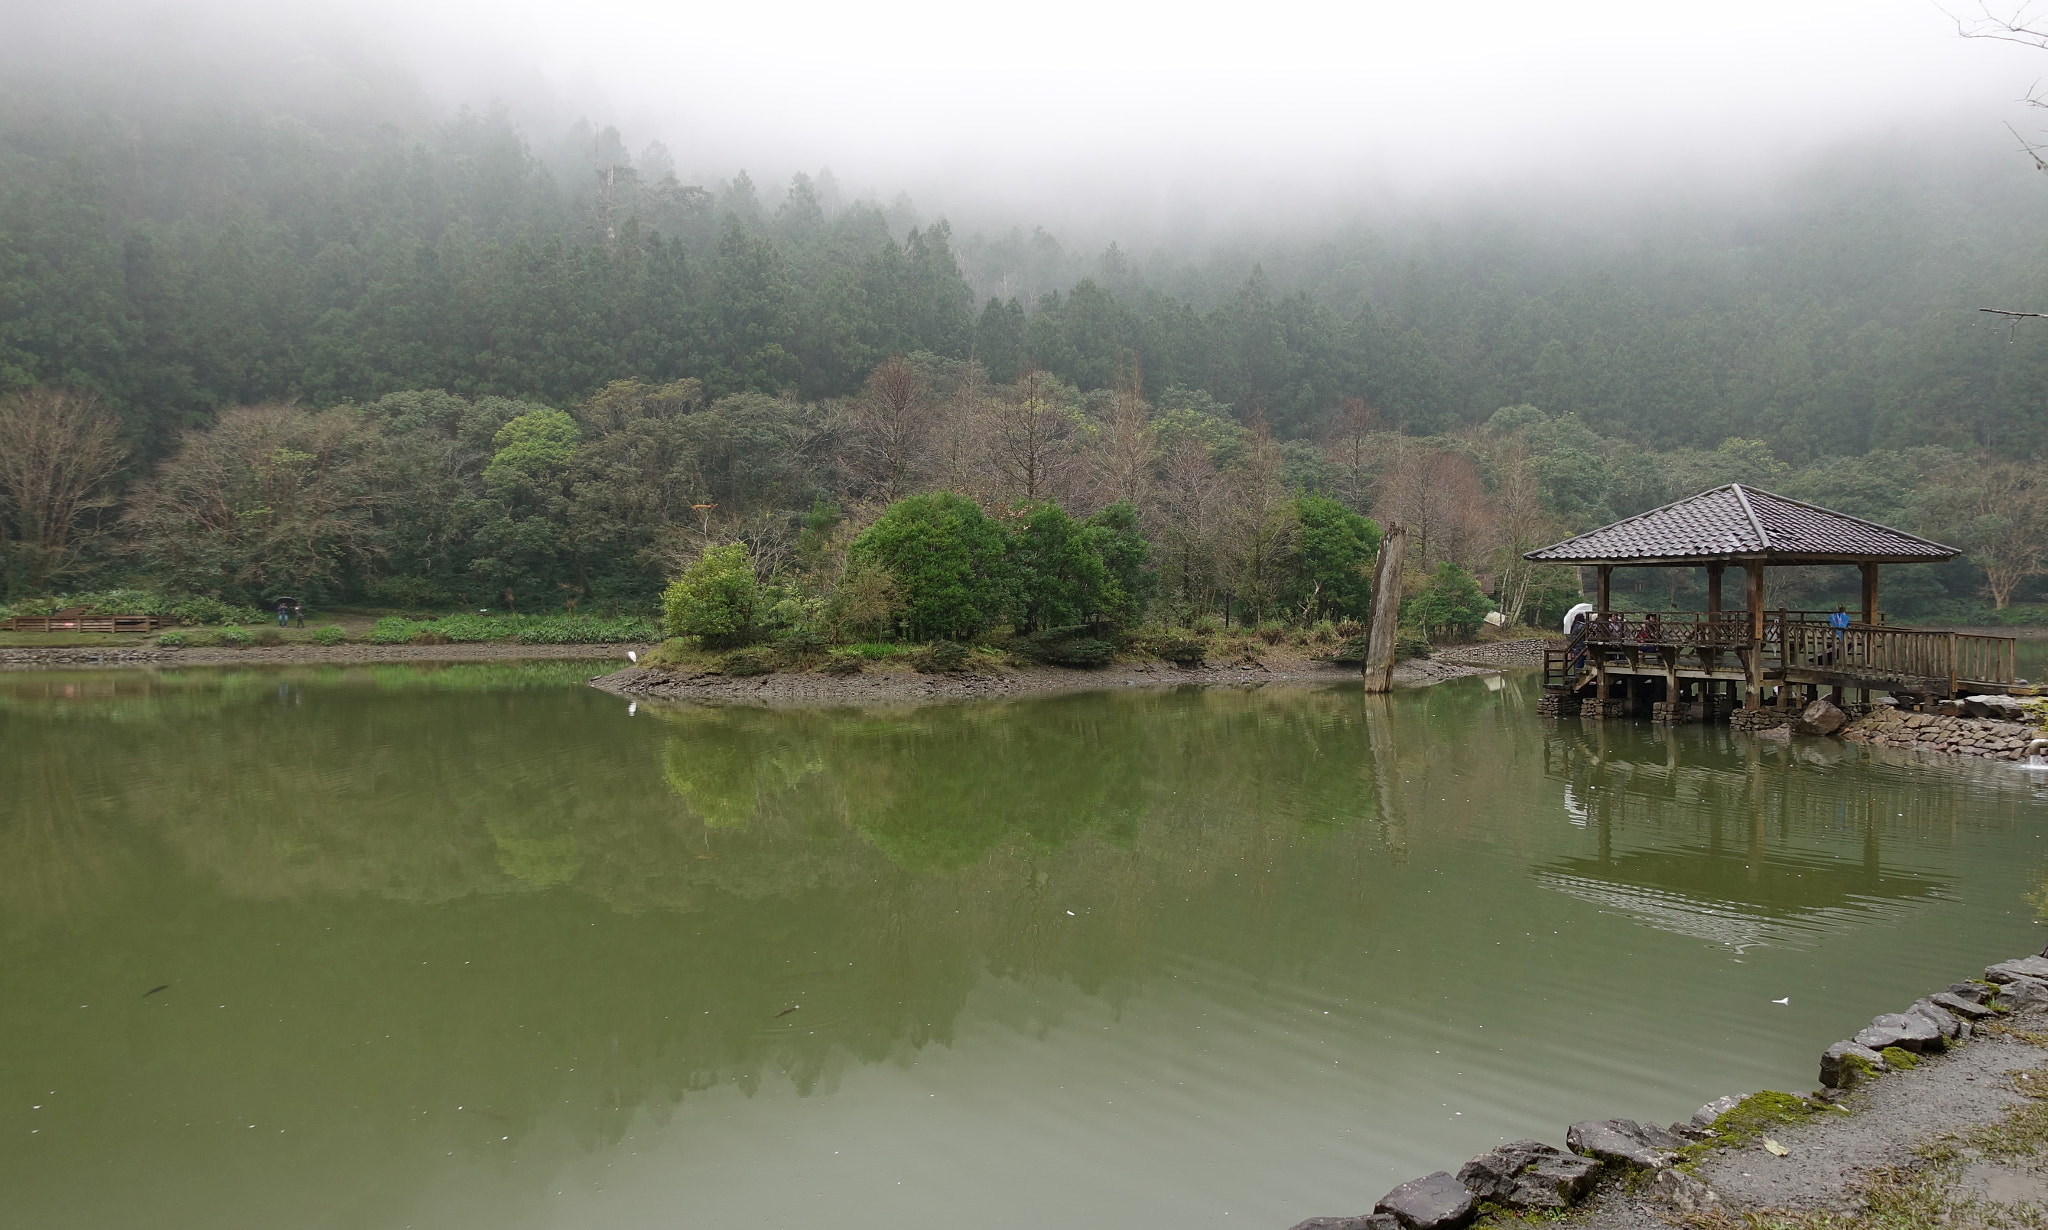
x=1647 y=249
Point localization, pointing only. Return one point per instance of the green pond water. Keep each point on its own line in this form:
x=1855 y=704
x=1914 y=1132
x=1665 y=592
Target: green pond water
x=473 y=946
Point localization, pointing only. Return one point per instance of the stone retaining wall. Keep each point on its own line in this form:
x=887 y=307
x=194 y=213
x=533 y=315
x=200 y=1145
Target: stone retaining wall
x=1935 y=732
x=1531 y=1179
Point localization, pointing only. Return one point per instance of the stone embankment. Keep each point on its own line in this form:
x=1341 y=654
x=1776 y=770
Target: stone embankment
x=1913 y=1105
x=1995 y=726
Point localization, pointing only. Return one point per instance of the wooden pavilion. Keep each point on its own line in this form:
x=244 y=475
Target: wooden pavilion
x=1688 y=665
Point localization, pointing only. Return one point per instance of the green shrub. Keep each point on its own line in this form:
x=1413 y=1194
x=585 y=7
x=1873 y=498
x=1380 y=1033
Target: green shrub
x=675 y=651
x=467 y=629
x=1450 y=606
x=270 y=636
x=181 y=609
x=1409 y=644
x=1173 y=647
x=391 y=630
x=1071 y=646
x=800 y=646
x=1352 y=652
x=236 y=638
x=172 y=639
x=841 y=664
x=874 y=651
x=940 y=657
x=949 y=560
x=714 y=599
x=746 y=663
x=329 y=635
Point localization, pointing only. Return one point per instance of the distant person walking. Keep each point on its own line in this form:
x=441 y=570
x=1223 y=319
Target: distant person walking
x=299 y=612
x=284 y=611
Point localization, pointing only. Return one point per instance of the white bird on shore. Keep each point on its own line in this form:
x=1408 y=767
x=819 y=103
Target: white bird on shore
x=633 y=657
x=1786 y=1000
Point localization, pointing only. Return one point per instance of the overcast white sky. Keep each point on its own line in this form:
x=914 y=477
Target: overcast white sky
x=1152 y=103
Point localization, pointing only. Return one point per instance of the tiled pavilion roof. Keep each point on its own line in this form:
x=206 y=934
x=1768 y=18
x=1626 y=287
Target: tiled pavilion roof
x=1737 y=523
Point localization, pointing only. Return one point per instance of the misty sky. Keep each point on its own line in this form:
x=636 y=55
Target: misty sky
x=1153 y=104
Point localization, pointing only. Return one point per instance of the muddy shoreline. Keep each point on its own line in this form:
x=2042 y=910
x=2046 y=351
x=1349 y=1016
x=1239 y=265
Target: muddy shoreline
x=899 y=683
x=890 y=683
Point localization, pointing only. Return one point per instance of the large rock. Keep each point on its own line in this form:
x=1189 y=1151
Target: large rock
x=1364 y=1221
x=1909 y=1030
x=2024 y=995
x=2018 y=967
x=1680 y=1192
x=1839 y=1069
x=1616 y=1140
x=1970 y=1009
x=1529 y=1175
x=1823 y=718
x=1705 y=1115
x=1944 y=1020
x=1438 y=1202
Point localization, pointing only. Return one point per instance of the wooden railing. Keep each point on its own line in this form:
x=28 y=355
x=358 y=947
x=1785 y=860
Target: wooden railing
x=82 y=623
x=1806 y=640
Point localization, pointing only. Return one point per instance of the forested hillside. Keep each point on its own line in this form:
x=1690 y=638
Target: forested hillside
x=488 y=364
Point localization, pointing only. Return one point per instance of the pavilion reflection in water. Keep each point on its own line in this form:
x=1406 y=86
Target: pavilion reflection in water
x=1704 y=837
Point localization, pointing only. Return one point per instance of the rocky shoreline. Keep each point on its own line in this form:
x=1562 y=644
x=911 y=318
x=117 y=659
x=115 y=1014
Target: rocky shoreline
x=1994 y=726
x=1942 y=1107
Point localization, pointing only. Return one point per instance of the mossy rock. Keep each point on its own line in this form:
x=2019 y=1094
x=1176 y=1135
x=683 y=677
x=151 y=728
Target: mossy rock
x=746 y=663
x=940 y=657
x=1901 y=1058
x=1760 y=1112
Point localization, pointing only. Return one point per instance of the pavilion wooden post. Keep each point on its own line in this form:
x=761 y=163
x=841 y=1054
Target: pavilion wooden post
x=1386 y=611
x=1603 y=587
x=1708 y=657
x=1754 y=697
x=1869 y=618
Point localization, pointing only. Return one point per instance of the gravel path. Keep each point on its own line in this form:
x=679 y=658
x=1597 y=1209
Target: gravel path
x=1827 y=1161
